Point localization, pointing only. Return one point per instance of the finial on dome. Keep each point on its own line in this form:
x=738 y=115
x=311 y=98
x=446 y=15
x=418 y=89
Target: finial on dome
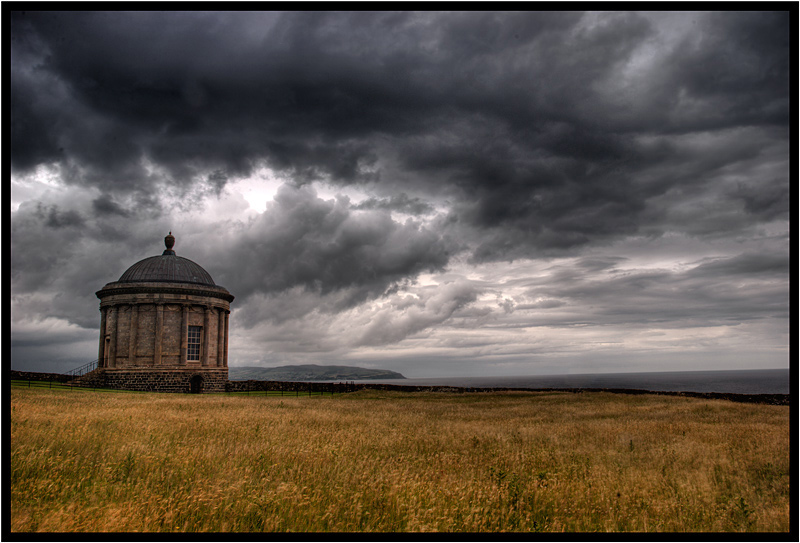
x=169 y=241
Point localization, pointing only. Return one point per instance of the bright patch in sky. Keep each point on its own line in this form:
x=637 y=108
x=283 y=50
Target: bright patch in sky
x=258 y=189
x=25 y=187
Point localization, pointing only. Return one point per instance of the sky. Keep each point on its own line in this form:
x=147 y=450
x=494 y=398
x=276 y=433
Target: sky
x=439 y=194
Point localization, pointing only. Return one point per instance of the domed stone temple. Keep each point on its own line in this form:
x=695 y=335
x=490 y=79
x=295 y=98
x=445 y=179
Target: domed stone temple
x=164 y=327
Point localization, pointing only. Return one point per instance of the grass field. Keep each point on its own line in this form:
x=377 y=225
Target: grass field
x=395 y=462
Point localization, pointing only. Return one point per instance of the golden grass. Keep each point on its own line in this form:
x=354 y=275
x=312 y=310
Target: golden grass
x=396 y=462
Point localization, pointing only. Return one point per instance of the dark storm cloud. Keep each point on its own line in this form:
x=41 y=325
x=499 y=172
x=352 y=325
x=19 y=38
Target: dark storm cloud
x=56 y=218
x=544 y=132
x=105 y=205
x=738 y=65
x=174 y=88
x=399 y=202
x=535 y=124
x=324 y=246
x=747 y=264
x=767 y=200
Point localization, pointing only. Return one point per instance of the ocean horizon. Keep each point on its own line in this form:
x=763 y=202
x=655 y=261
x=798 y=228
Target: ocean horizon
x=763 y=381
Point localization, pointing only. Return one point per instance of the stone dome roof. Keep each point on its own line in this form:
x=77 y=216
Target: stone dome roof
x=167 y=267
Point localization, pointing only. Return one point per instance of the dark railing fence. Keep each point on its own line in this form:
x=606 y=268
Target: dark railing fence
x=86 y=368
x=290 y=388
x=35 y=383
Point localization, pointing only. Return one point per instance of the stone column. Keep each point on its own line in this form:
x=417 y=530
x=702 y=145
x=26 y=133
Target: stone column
x=220 y=336
x=207 y=336
x=112 y=349
x=225 y=354
x=184 y=332
x=132 y=335
x=101 y=352
x=157 y=335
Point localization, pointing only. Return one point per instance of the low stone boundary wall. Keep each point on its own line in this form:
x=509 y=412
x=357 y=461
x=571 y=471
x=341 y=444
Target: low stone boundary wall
x=37 y=376
x=770 y=399
x=288 y=386
x=252 y=385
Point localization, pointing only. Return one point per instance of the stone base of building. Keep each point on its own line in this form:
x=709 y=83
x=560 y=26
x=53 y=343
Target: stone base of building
x=181 y=380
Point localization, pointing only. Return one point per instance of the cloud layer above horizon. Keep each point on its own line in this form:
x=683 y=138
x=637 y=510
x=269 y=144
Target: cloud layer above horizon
x=433 y=193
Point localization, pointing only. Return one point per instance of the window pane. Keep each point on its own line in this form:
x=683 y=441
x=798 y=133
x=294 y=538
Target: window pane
x=193 y=347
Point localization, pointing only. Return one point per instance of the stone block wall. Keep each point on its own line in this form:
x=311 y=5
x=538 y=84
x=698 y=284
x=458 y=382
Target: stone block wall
x=38 y=376
x=145 y=325
x=253 y=385
x=155 y=380
x=93 y=379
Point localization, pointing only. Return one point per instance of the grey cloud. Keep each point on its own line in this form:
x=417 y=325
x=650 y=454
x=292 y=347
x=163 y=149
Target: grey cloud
x=40 y=248
x=738 y=65
x=217 y=180
x=542 y=304
x=324 y=247
x=105 y=205
x=398 y=202
x=597 y=264
x=720 y=291
x=408 y=315
x=766 y=200
x=745 y=264
x=301 y=321
x=60 y=219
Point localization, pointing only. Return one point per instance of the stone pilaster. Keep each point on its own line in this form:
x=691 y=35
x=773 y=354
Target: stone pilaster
x=207 y=336
x=134 y=326
x=220 y=336
x=112 y=349
x=102 y=350
x=184 y=332
x=157 y=335
x=225 y=353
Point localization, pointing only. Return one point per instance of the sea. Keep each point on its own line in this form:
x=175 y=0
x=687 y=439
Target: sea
x=769 y=381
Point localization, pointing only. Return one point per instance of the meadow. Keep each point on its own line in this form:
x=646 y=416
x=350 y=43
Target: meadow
x=395 y=462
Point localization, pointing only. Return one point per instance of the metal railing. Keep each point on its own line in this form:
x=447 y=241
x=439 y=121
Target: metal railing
x=86 y=368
